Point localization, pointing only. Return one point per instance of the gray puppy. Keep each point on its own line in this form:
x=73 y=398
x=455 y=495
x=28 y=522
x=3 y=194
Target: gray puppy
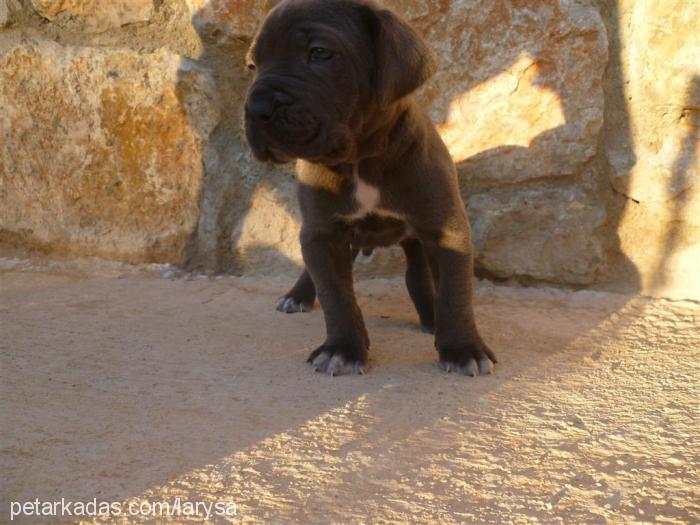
x=333 y=89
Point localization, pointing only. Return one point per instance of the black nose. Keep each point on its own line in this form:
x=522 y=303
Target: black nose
x=262 y=103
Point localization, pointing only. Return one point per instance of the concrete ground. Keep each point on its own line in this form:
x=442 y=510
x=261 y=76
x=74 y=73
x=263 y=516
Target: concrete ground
x=140 y=385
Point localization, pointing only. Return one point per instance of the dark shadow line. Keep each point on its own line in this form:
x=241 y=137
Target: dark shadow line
x=686 y=158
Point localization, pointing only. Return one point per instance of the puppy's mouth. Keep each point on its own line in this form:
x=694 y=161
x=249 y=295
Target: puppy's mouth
x=295 y=134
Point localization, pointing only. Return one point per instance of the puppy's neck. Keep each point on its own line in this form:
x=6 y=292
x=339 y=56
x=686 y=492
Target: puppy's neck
x=377 y=128
x=381 y=135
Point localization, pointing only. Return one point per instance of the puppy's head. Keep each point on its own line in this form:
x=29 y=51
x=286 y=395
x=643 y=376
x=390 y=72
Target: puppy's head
x=320 y=67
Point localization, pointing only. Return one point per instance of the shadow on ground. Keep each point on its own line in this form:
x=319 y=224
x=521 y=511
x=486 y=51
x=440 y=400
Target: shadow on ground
x=126 y=386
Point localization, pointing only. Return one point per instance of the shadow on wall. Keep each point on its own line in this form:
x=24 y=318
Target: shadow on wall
x=617 y=130
x=686 y=159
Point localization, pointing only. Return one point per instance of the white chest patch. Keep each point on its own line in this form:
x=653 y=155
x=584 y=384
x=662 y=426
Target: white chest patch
x=367 y=198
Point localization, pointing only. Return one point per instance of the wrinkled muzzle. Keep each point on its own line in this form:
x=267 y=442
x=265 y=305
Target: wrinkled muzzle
x=284 y=121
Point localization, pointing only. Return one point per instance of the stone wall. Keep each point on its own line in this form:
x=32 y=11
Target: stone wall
x=651 y=141
x=573 y=123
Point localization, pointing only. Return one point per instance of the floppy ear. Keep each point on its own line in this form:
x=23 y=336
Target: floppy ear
x=403 y=61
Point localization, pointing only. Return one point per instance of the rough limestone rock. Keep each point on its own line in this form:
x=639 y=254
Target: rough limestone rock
x=518 y=97
x=227 y=19
x=656 y=156
x=97 y=15
x=4 y=13
x=8 y=12
x=544 y=234
x=518 y=92
x=101 y=150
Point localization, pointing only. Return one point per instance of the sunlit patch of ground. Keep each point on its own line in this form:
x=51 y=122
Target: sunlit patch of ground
x=127 y=386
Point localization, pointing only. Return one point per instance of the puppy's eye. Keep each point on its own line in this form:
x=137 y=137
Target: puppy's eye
x=320 y=54
x=251 y=67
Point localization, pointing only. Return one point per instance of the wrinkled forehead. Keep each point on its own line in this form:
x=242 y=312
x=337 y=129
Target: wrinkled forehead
x=295 y=25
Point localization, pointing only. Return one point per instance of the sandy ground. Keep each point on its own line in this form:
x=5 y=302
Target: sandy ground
x=141 y=385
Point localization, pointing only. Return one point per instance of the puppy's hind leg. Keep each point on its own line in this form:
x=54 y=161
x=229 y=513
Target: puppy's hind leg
x=457 y=338
x=419 y=282
x=302 y=296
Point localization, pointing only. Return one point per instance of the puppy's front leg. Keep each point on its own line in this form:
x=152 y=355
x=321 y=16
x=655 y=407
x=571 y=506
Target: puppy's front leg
x=328 y=258
x=457 y=339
